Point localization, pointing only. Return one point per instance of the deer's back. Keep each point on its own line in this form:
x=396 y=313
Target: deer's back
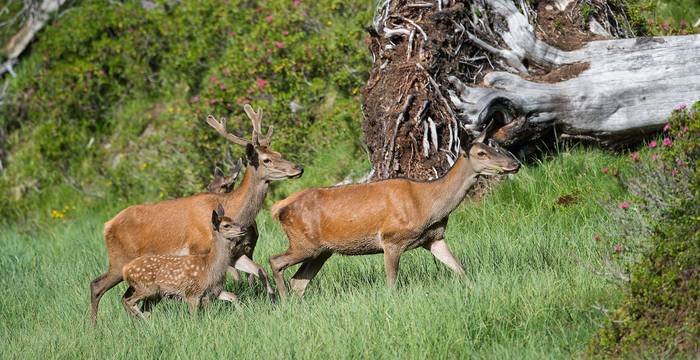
x=179 y=226
x=167 y=274
x=351 y=219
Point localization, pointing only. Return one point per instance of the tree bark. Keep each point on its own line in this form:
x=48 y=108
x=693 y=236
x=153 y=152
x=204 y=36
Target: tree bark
x=608 y=91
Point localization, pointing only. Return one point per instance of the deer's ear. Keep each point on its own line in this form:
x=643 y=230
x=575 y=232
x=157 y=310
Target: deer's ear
x=215 y=220
x=484 y=133
x=218 y=172
x=251 y=155
x=220 y=211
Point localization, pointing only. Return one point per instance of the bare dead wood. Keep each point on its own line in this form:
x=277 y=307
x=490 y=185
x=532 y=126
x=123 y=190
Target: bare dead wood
x=36 y=21
x=487 y=58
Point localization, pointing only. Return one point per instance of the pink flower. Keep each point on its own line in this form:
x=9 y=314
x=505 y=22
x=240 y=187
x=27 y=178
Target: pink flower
x=604 y=170
x=279 y=44
x=624 y=205
x=222 y=86
x=268 y=18
x=654 y=157
x=674 y=172
x=285 y=33
x=652 y=144
x=667 y=142
x=635 y=156
x=680 y=107
x=618 y=248
x=213 y=78
x=596 y=237
x=685 y=129
x=260 y=83
x=667 y=127
x=296 y=3
x=681 y=163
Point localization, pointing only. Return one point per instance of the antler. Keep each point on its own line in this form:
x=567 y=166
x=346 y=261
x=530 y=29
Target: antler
x=256 y=118
x=220 y=127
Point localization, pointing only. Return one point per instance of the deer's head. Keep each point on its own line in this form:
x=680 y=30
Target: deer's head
x=488 y=158
x=223 y=184
x=269 y=164
x=225 y=226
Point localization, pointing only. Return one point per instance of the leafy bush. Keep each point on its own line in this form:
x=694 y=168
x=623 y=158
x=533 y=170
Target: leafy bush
x=110 y=103
x=661 y=314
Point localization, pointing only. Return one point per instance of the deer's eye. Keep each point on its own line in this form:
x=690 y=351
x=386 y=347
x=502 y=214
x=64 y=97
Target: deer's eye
x=267 y=161
x=481 y=153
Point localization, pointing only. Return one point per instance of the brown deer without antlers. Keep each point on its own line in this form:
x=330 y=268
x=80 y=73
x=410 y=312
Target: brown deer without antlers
x=223 y=184
x=181 y=226
x=194 y=278
x=389 y=216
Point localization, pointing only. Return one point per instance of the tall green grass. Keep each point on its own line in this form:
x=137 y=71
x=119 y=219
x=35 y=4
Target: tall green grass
x=530 y=292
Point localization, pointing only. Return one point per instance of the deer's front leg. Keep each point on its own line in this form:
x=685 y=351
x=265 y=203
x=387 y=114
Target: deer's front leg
x=245 y=264
x=234 y=273
x=230 y=297
x=392 y=253
x=441 y=252
x=193 y=304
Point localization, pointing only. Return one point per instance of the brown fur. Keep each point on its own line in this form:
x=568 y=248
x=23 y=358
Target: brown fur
x=181 y=226
x=389 y=217
x=191 y=277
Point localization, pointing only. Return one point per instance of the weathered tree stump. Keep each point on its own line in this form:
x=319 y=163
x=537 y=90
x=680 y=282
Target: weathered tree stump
x=430 y=56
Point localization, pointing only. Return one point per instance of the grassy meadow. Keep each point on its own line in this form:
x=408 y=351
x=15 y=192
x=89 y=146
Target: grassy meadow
x=531 y=289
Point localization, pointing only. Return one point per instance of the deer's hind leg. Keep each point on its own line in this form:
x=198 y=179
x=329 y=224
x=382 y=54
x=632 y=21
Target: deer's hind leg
x=280 y=262
x=100 y=286
x=308 y=270
x=149 y=303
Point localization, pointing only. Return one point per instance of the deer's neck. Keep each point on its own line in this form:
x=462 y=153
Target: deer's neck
x=248 y=199
x=218 y=260
x=446 y=193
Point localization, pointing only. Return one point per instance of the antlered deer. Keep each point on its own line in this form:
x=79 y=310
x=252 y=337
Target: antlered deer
x=181 y=226
x=389 y=216
x=194 y=278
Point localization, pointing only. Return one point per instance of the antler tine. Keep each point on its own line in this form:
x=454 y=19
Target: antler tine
x=256 y=119
x=220 y=127
x=253 y=116
x=268 y=137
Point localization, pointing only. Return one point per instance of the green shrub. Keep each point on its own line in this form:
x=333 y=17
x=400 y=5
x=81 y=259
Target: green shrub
x=111 y=100
x=661 y=314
